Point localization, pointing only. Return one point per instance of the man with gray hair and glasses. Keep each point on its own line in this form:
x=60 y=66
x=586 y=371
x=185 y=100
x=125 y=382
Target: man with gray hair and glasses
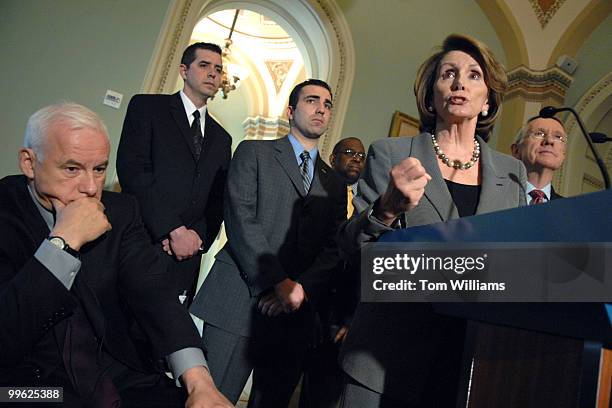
x=540 y=145
x=78 y=273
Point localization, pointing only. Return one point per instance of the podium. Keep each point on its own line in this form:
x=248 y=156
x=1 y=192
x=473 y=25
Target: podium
x=532 y=354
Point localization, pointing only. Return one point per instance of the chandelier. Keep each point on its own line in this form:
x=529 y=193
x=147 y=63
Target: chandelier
x=232 y=73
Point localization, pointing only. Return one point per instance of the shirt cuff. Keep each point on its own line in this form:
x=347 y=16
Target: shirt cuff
x=184 y=359
x=59 y=262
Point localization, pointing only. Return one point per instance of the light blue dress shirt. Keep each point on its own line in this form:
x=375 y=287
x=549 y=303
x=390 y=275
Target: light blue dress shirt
x=298 y=149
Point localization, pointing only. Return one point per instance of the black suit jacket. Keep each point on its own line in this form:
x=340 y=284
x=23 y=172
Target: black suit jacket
x=554 y=195
x=275 y=231
x=121 y=270
x=156 y=164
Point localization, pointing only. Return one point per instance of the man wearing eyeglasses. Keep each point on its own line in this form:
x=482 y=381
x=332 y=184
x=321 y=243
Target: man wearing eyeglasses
x=322 y=382
x=540 y=145
x=348 y=159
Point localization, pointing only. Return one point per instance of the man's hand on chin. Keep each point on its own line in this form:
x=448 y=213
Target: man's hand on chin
x=202 y=391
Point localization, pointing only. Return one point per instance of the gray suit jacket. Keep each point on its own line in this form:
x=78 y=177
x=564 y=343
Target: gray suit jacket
x=391 y=347
x=275 y=230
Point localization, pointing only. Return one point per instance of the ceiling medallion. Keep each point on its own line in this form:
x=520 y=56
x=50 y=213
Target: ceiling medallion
x=545 y=9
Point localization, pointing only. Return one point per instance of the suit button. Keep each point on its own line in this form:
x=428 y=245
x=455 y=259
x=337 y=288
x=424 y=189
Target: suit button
x=193 y=201
x=197 y=175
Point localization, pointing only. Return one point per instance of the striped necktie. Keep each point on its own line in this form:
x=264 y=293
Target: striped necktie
x=305 y=156
x=537 y=197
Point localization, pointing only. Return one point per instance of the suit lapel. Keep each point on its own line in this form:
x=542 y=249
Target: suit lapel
x=39 y=231
x=177 y=110
x=209 y=136
x=37 y=225
x=436 y=191
x=493 y=184
x=319 y=179
x=286 y=158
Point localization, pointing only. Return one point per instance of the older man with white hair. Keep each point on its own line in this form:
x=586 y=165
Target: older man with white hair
x=77 y=274
x=540 y=145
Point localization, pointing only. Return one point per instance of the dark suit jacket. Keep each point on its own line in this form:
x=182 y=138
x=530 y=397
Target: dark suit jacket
x=553 y=194
x=156 y=164
x=274 y=230
x=392 y=347
x=120 y=269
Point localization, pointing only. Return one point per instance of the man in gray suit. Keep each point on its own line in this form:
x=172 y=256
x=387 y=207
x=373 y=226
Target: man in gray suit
x=283 y=207
x=540 y=145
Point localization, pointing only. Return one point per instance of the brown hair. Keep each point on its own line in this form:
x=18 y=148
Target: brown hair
x=494 y=77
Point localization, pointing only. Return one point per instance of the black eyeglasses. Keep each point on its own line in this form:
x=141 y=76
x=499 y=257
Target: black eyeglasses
x=353 y=153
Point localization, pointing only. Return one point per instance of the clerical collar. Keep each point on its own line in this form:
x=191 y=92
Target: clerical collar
x=47 y=215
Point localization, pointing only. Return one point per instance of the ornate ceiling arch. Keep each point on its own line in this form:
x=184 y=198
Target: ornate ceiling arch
x=318 y=28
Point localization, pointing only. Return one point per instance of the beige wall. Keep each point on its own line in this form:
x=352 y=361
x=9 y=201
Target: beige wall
x=390 y=44
x=76 y=49
x=71 y=50
x=594 y=61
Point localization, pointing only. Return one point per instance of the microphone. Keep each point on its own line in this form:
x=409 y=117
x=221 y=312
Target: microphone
x=550 y=111
x=597 y=137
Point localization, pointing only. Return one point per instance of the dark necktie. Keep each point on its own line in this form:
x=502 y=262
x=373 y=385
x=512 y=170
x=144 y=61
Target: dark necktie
x=196 y=131
x=537 y=197
x=305 y=156
x=83 y=358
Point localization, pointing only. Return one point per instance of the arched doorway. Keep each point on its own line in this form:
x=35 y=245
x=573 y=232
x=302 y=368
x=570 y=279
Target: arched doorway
x=319 y=31
x=318 y=28
x=267 y=62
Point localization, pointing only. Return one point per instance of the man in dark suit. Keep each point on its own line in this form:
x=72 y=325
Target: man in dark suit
x=540 y=145
x=323 y=377
x=284 y=205
x=173 y=158
x=76 y=271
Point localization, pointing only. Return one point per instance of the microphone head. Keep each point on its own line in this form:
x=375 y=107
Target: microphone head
x=597 y=137
x=548 y=111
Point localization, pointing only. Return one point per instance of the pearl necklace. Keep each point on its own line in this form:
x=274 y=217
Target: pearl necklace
x=456 y=164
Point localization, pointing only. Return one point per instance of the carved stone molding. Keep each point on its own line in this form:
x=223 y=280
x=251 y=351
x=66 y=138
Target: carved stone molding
x=260 y=127
x=278 y=71
x=343 y=77
x=166 y=56
x=182 y=16
x=585 y=108
x=538 y=86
